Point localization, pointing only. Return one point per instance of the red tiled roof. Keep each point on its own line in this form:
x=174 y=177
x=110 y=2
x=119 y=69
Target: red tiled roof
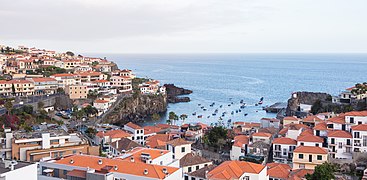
x=356 y=113
x=132 y=125
x=262 y=134
x=100 y=101
x=339 y=134
x=360 y=127
x=290 y=118
x=310 y=149
x=151 y=129
x=284 y=140
x=338 y=119
x=234 y=170
x=114 y=134
x=278 y=170
x=43 y=79
x=158 y=140
x=240 y=140
x=311 y=119
x=310 y=138
x=321 y=126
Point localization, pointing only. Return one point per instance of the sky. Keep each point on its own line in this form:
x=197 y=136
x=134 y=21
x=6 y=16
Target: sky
x=186 y=26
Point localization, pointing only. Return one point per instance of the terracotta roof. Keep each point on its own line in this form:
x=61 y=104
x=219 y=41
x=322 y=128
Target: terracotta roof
x=114 y=134
x=339 y=134
x=283 y=131
x=138 y=151
x=125 y=144
x=299 y=174
x=310 y=138
x=338 y=119
x=310 y=149
x=240 y=140
x=62 y=75
x=151 y=129
x=167 y=126
x=178 y=142
x=43 y=79
x=262 y=134
x=311 y=119
x=270 y=119
x=158 y=140
x=100 y=81
x=291 y=118
x=125 y=167
x=132 y=125
x=321 y=126
x=293 y=126
x=356 y=113
x=306 y=132
x=100 y=101
x=360 y=127
x=278 y=170
x=234 y=170
x=284 y=140
x=15 y=81
x=191 y=159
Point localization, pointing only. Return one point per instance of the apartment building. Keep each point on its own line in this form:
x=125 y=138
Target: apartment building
x=66 y=79
x=283 y=149
x=340 y=144
x=33 y=147
x=122 y=146
x=263 y=137
x=309 y=140
x=91 y=76
x=179 y=147
x=77 y=91
x=192 y=162
x=359 y=133
x=44 y=85
x=136 y=131
x=16 y=87
x=269 y=122
x=150 y=156
x=290 y=119
x=122 y=83
x=239 y=147
x=15 y=170
x=111 y=136
x=94 y=167
x=308 y=157
x=278 y=171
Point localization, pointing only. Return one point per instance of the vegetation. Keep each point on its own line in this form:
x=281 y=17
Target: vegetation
x=69 y=53
x=316 y=107
x=216 y=137
x=137 y=81
x=360 y=89
x=183 y=117
x=172 y=116
x=324 y=171
x=91 y=132
x=156 y=117
x=50 y=70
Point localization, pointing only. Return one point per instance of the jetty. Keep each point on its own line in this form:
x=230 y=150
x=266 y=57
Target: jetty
x=276 y=107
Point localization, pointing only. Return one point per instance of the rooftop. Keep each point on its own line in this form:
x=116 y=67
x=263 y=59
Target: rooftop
x=234 y=170
x=310 y=149
x=191 y=159
x=284 y=140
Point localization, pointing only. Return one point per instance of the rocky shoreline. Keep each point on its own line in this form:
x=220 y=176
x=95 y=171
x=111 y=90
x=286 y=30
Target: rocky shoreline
x=173 y=93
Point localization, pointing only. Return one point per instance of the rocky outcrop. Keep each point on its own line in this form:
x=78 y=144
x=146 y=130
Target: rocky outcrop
x=137 y=108
x=304 y=98
x=174 y=92
x=63 y=102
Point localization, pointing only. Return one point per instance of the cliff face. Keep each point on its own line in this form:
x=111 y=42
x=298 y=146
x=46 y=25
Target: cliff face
x=137 y=108
x=173 y=92
x=304 y=98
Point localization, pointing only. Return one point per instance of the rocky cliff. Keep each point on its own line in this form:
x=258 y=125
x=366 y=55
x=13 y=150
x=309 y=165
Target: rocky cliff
x=137 y=108
x=174 y=92
x=304 y=98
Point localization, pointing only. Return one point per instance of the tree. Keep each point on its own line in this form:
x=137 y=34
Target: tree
x=40 y=105
x=172 y=116
x=215 y=134
x=13 y=89
x=90 y=110
x=69 y=53
x=316 y=107
x=8 y=106
x=324 y=171
x=183 y=117
x=156 y=117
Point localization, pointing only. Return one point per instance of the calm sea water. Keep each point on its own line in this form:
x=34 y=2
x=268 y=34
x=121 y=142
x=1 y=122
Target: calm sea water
x=227 y=78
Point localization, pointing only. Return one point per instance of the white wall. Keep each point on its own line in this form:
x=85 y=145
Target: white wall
x=27 y=172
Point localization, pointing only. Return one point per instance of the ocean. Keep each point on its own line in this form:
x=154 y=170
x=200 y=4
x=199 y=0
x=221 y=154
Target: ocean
x=226 y=79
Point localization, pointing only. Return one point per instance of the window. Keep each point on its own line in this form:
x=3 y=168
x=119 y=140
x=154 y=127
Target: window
x=246 y=178
x=317 y=144
x=197 y=167
x=183 y=149
x=332 y=141
x=351 y=120
x=65 y=172
x=340 y=145
x=301 y=166
x=189 y=169
x=348 y=141
x=300 y=156
x=319 y=157
x=302 y=144
x=356 y=134
x=364 y=140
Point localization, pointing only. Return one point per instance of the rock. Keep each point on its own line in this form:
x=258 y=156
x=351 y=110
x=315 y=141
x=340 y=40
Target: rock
x=174 y=92
x=304 y=98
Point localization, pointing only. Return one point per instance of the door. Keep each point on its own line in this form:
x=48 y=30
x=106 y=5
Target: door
x=309 y=158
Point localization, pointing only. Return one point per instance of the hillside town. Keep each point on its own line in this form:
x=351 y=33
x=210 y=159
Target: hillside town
x=43 y=138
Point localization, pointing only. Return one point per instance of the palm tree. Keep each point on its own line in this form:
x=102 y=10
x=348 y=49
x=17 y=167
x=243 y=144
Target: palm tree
x=183 y=117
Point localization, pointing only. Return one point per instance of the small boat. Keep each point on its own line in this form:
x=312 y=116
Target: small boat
x=239 y=110
x=220 y=106
x=194 y=114
x=200 y=116
x=246 y=114
x=199 y=104
x=232 y=112
x=243 y=106
x=229 y=104
x=214 y=114
x=229 y=120
x=208 y=117
x=223 y=115
x=211 y=105
x=204 y=109
x=216 y=111
x=220 y=119
x=236 y=111
x=256 y=104
x=241 y=101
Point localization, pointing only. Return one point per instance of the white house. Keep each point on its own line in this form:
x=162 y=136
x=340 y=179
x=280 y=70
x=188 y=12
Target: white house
x=269 y=122
x=309 y=140
x=283 y=149
x=239 y=147
x=13 y=170
x=340 y=144
x=137 y=131
x=359 y=133
x=179 y=147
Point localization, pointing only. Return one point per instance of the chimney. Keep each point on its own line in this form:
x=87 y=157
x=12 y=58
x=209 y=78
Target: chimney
x=99 y=161
x=206 y=174
x=145 y=171
x=117 y=144
x=115 y=168
x=165 y=170
x=71 y=161
x=132 y=159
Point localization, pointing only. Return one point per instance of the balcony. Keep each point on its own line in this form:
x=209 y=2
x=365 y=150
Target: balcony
x=357 y=144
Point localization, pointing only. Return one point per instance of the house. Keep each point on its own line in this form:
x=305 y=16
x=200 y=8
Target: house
x=308 y=157
x=122 y=83
x=149 y=87
x=269 y=122
x=311 y=121
x=277 y=171
x=356 y=117
x=94 y=167
x=200 y=174
x=136 y=131
x=238 y=170
x=310 y=140
x=101 y=105
x=33 y=147
x=340 y=144
x=239 y=147
x=16 y=87
x=44 y=85
x=77 y=91
x=321 y=129
x=158 y=141
x=283 y=148
x=111 y=136
x=66 y=79
x=191 y=162
x=263 y=137
x=359 y=133
x=290 y=119
x=121 y=146
x=15 y=170
x=150 y=156
x=293 y=130
x=179 y=147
